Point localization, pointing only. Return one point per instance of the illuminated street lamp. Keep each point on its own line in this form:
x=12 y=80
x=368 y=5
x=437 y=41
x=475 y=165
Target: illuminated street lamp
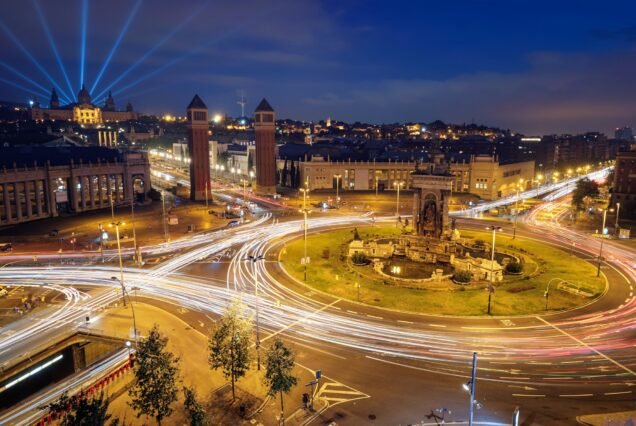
x=491 y=288
x=304 y=191
x=124 y=293
x=600 y=253
x=397 y=200
x=338 y=177
x=305 y=261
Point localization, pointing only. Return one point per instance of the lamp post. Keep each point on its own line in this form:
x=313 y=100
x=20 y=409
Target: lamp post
x=305 y=212
x=376 y=186
x=304 y=192
x=491 y=288
x=125 y=294
x=244 y=182
x=618 y=209
x=600 y=253
x=397 y=200
x=338 y=177
x=255 y=259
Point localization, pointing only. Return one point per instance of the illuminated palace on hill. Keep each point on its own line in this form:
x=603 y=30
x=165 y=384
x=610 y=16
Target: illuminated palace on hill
x=83 y=111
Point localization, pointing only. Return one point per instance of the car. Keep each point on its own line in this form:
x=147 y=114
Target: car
x=54 y=233
x=233 y=223
x=6 y=247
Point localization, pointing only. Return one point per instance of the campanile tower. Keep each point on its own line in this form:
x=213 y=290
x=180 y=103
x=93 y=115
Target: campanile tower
x=264 y=125
x=199 y=148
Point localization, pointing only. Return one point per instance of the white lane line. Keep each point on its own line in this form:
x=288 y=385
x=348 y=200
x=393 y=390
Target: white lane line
x=437 y=325
x=580 y=342
x=352 y=312
x=373 y=316
x=528 y=395
x=405 y=322
x=617 y=393
x=576 y=395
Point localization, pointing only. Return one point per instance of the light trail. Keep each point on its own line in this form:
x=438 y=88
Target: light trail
x=84 y=23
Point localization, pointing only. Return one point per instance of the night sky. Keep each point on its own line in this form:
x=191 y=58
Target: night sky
x=532 y=66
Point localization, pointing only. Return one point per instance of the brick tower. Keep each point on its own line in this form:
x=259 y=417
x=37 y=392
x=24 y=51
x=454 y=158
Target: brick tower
x=264 y=124
x=199 y=148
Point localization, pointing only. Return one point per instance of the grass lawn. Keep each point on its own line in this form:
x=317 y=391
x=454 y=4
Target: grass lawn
x=329 y=272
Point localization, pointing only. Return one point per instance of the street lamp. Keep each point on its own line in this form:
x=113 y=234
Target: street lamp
x=255 y=259
x=618 y=209
x=470 y=387
x=304 y=191
x=397 y=200
x=338 y=177
x=600 y=253
x=165 y=222
x=305 y=212
x=124 y=293
x=244 y=182
x=491 y=288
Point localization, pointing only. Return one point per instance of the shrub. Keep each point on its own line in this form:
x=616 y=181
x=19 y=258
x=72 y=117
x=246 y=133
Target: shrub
x=462 y=276
x=479 y=243
x=359 y=259
x=514 y=268
x=325 y=253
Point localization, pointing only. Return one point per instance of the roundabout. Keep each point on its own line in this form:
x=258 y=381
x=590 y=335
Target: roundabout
x=585 y=353
x=332 y=271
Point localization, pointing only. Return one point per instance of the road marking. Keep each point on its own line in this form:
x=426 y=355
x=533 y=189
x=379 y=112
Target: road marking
x=405 y=322
x=576 y=395
x=287 y=327
x=507 y=323
x=373 y=316
x=528 y=395
x=580 y=342
x=352 y=312
x=437 y=325
x=617 y=393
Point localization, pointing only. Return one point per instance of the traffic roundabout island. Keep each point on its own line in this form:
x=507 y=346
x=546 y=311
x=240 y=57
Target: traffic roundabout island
x=369 y=265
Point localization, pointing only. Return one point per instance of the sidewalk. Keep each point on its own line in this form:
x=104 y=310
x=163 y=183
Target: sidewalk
x=625 y=418
x=190 y=344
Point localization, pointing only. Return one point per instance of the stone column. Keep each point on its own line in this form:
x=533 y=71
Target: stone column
x=7 y=202
x=38 y=197
x=18 y=204
x=83 y=191
x=91 y=191
x=109 y=186
x=27 y=194
x=99 y=136
x=51 y=187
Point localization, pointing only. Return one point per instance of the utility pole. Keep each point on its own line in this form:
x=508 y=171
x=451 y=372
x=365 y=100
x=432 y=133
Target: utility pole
x=514 y=221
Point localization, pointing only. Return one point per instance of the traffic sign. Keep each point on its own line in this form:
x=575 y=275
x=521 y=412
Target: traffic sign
x=318 y=374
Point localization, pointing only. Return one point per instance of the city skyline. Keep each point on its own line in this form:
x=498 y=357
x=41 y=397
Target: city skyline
x=360 y=61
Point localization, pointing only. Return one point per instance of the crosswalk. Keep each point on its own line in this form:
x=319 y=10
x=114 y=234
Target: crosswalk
x=337 y=393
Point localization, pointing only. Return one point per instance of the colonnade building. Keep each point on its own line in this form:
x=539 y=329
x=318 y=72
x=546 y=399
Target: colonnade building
x=42 y=182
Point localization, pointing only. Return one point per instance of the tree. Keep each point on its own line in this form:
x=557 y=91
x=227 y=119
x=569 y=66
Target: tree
x=356 y=235
x=278 y=372
x=584 y=188
x=156 y=377
x=229 y=344
x=196 y=412
x=83 y=411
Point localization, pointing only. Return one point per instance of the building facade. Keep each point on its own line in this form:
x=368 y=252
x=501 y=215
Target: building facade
x=264 y=128
x=199 y=149
x=624 y=188
x=482 y=175
x=83 y=111
x=37 y=183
